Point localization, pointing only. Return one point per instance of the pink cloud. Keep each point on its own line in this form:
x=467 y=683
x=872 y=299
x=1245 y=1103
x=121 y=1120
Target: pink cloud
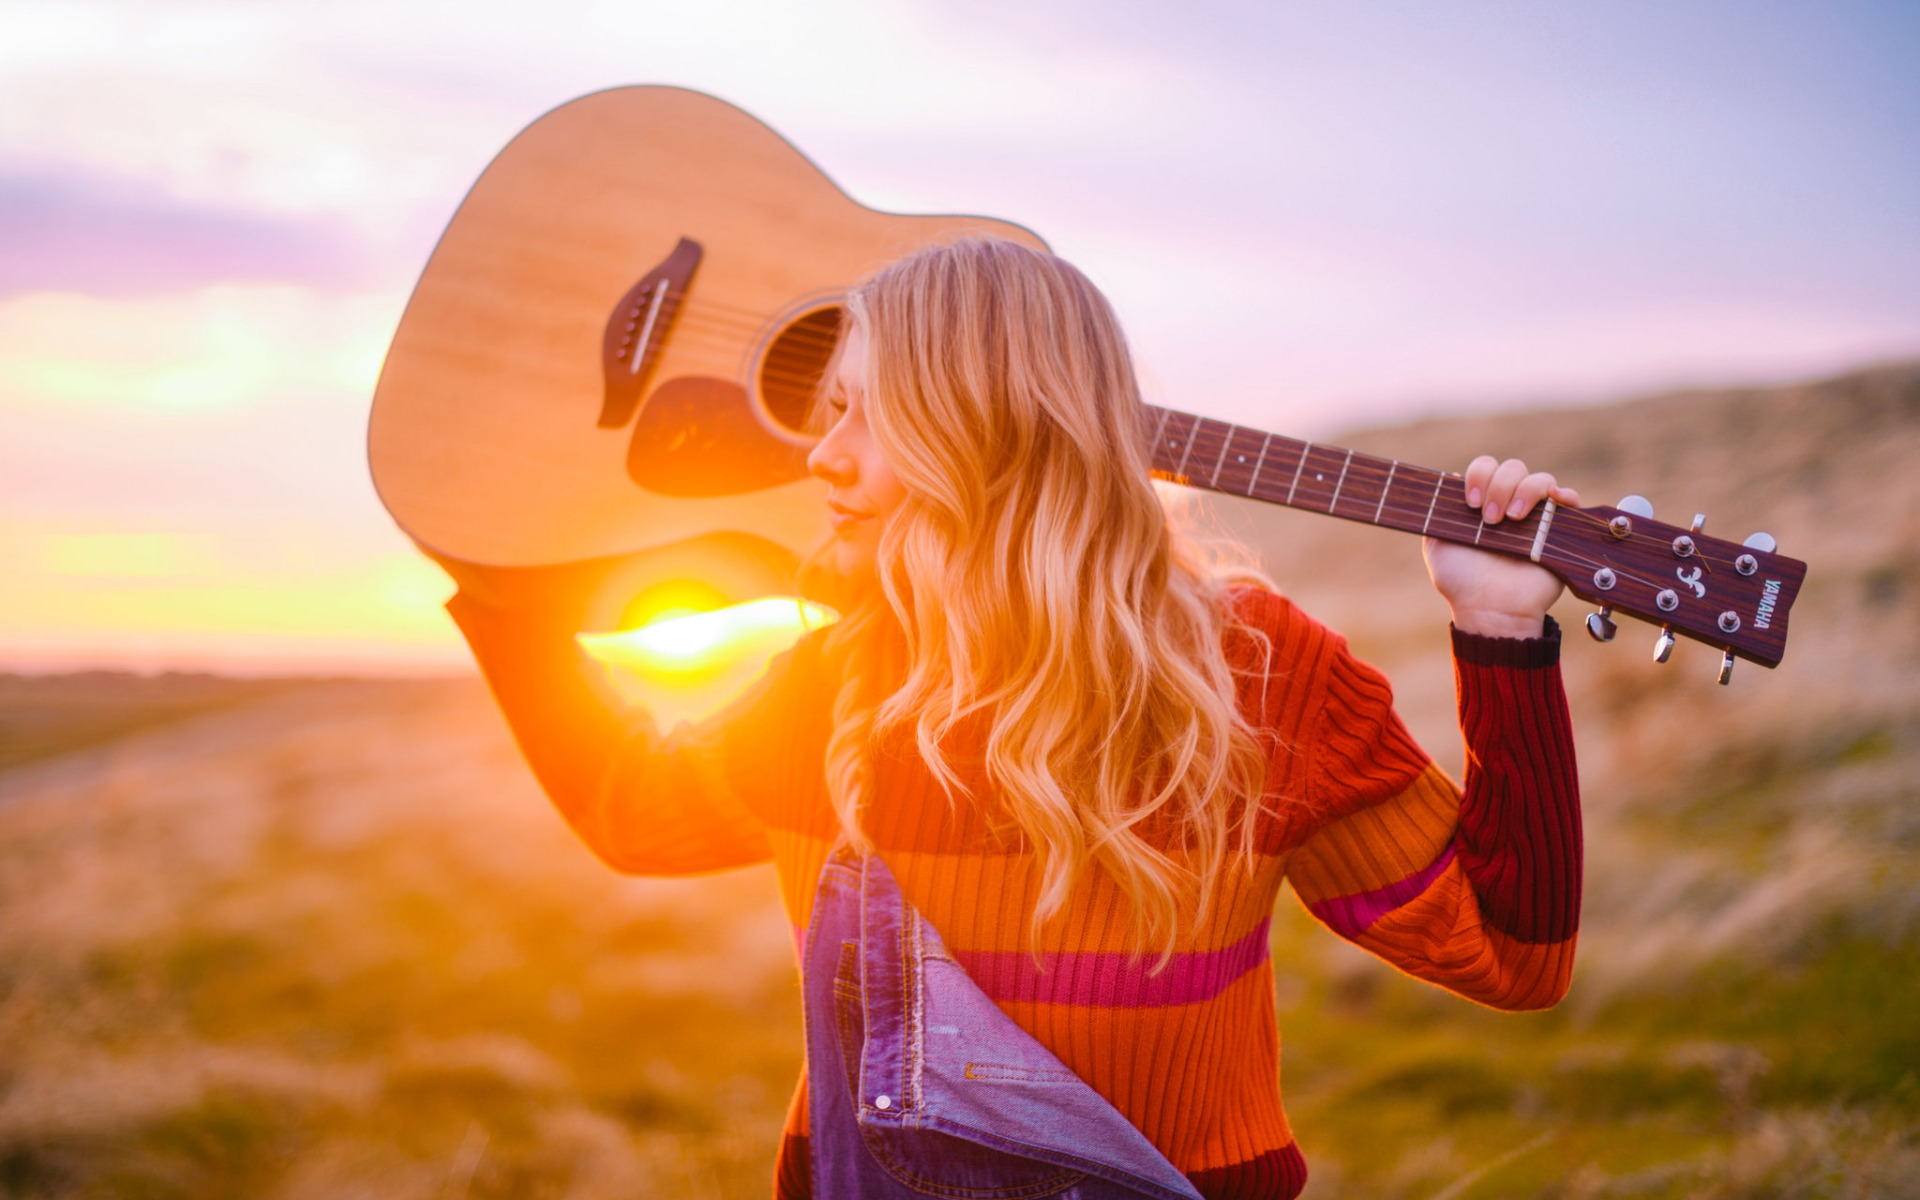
x=67 y=231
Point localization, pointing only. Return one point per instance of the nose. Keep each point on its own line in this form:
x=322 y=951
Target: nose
x=829 y=459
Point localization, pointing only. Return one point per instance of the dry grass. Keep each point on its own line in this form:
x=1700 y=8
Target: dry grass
x=312 y=946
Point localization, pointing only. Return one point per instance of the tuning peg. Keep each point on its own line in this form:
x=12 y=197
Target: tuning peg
x=1763 y=542
x=1630 y=507
x=1663 y=645
x=1726 y=666
x=1600 y=624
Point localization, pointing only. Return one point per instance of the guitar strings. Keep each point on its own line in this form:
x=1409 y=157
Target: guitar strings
x=698 y=345
x=1362 y=470
x=708 y=323
x=708 y=316
x=1365 y=471
x=1370 y=472
x=1362 y=467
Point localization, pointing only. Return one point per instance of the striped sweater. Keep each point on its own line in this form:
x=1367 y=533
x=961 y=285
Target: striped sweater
x=1475 y=888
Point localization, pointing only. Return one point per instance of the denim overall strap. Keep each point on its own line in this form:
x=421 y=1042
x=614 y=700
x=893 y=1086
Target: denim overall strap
x=919 y=1085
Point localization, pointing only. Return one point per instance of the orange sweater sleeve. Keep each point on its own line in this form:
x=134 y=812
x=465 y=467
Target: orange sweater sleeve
x=1475 y=887
x=692 y=800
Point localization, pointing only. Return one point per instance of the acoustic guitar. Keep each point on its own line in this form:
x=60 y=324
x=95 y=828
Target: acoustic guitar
x=612 y=352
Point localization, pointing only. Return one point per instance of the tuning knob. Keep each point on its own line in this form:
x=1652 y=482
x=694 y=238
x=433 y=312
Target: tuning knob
x=1663 y=645
x=1763 y=542
x=1636 y=505
x=1600 y=624
x=1726 y=667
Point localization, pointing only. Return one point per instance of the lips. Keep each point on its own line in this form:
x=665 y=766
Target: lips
x=844 y=517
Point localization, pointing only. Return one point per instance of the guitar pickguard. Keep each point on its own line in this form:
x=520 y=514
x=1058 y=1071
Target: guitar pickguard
x=700 y=436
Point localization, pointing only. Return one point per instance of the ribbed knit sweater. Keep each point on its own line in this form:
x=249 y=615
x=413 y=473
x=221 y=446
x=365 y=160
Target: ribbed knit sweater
x=1475 y=888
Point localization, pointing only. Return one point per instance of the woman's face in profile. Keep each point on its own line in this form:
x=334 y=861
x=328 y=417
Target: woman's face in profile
x=862 y=488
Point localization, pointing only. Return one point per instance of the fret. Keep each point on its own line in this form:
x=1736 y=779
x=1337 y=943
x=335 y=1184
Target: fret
x=1204 y=446
x=1175 y=442
x=1319 y=478
x=1381 y=507
x=1213 y=477
x=1360 y=487
x=1306 y=448
x=1240 y=459
x=1341 y=482
x=1407 y=501
x=1449 y=518
x=1153 y=439
x=1285 y=455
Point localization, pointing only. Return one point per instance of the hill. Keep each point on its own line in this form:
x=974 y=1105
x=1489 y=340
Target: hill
x=1752 y=913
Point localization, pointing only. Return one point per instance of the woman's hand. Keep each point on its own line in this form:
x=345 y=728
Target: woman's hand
x=1496 y=594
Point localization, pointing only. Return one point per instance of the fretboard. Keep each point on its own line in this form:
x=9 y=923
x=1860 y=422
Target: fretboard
x=1204 y=453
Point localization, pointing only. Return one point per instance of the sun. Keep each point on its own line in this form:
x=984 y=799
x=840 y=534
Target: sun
x=685 y=659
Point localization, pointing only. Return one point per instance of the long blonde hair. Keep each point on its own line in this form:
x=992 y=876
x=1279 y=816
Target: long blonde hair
x=1042 y=595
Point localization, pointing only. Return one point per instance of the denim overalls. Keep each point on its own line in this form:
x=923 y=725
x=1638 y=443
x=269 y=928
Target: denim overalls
x=918 y=1085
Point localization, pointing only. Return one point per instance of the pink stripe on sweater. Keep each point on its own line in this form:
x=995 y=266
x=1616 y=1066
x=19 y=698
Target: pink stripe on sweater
x=1349 y=916
x=1095 y=979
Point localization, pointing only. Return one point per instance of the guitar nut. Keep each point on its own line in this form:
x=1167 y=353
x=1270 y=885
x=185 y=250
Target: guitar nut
x=1729 y=622
x=1667 y=600
x=1746 y=564
x=1604 y=579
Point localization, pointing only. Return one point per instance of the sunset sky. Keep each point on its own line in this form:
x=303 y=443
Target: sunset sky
x=1312 y=217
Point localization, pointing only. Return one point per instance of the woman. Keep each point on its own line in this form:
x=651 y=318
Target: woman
x=1031 y=801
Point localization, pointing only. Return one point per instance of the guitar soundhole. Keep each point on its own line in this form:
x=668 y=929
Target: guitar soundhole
x=790 y=373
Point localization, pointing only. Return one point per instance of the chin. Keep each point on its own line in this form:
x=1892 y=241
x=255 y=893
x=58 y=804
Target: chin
x=854 y=566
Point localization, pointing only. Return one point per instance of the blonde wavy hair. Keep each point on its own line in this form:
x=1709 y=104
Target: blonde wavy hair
x=1043 y=597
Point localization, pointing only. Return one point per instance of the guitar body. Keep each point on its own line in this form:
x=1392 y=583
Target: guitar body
x=490 y=440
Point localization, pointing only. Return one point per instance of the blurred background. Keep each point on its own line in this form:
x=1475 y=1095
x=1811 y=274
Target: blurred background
x=281 y=912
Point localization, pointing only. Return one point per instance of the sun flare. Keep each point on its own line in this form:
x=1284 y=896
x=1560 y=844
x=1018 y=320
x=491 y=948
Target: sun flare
x=683 y=664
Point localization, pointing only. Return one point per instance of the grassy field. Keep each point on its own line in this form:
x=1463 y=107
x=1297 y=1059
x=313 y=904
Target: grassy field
x=334 y=943
x=325 y=939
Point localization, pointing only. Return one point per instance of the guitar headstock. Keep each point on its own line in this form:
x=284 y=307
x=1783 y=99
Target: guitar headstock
x=1733 y=596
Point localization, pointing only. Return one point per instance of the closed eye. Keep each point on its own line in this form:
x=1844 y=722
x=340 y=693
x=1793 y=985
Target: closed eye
x=827 y=412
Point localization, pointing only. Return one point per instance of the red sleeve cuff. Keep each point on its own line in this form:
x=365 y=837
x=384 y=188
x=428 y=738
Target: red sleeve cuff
x=1525 y=654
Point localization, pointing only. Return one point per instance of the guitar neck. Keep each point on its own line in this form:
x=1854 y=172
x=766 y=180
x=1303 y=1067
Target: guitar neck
x=1204 y=453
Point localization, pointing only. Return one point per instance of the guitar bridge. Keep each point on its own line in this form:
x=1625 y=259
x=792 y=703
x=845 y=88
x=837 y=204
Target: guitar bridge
x=638 y=329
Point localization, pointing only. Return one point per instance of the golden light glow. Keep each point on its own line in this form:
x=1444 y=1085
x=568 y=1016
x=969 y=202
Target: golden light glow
x=250 y=595
x=674 y=598
x=685 y=665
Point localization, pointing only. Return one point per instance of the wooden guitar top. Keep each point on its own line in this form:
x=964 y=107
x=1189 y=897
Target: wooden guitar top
x=484 y=442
